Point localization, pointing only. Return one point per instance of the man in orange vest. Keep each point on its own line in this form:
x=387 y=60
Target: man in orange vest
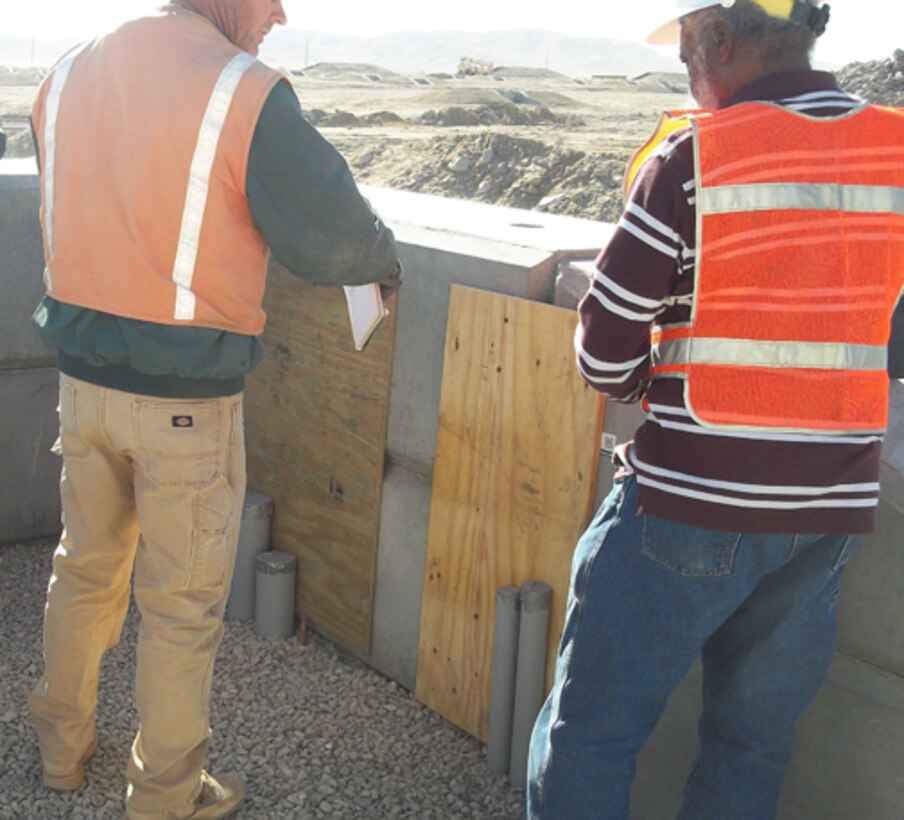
x=746 y=299
x=170 y=159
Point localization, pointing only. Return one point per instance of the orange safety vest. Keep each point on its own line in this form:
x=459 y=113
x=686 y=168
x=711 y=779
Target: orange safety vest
x=799 y=266
x=144 y=137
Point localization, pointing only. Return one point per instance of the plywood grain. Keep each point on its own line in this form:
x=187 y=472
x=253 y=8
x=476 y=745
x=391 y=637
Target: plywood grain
x=315 y=416
x=513 y=484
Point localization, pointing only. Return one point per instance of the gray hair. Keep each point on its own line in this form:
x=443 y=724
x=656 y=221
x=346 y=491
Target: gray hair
x=772 y=40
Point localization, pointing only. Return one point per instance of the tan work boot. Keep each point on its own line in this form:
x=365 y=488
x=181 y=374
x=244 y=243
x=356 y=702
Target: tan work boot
x=65 y=781
x=219 y=797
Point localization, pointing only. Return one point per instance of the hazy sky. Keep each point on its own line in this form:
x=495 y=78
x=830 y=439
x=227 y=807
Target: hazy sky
x=860 y=29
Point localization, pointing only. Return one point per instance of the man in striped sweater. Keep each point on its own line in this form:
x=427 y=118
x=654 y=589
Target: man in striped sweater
x=746 y=298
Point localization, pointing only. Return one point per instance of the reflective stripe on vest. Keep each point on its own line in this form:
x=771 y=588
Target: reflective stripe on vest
x=799 y=264
x=773 y=197
x=199 y=183
x=747 y=353
x=61 y=75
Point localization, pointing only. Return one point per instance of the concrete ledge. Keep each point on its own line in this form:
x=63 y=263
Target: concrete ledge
x=447 y=241
x=30 y=479
x=21 y=269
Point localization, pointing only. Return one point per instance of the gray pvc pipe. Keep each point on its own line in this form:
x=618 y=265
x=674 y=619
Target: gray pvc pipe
x=274 y=601
x=529 y=680
x=502 y=687
x=254 y=538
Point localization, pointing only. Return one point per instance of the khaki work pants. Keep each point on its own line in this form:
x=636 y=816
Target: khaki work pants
x=158 y=485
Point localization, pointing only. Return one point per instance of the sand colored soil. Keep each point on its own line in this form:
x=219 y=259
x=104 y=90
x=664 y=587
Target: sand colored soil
x=523 y=137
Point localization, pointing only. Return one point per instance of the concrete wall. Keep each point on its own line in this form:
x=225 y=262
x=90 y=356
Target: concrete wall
x=850 y=757
x=29 y=475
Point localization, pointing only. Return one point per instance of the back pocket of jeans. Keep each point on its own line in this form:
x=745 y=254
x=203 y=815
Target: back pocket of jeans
x=687 y=550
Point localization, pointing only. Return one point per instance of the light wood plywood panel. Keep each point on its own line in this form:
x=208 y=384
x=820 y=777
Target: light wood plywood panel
x=315 y=414
x=516 y=458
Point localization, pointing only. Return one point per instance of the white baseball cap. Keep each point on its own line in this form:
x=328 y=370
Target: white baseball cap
x=803 y=12
x=670 y=32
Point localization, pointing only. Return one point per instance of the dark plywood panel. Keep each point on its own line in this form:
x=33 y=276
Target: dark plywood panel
x=315 y=415
x=513 y=485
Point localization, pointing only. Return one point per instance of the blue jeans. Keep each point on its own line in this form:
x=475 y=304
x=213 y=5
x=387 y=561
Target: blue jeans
x=647 y=597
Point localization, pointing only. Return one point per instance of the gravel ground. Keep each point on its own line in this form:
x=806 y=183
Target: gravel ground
x=316 y=733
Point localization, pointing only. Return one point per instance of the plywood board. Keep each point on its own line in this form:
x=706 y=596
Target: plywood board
x=513 y=485
x=315 y=416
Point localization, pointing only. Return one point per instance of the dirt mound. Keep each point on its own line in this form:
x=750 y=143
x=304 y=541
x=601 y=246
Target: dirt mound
x=442 y=97
x=333 y=119
x=519 y=72
x=498 y=168
x=382 y=118
x=339 y=70
x=660 y=81
x=16 y=75
x=19 y=144
x=878 y=81
x=503 y=113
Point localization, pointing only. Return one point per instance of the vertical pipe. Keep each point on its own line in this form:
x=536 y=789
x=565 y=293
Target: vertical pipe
x=502 y=686
x=274 y=600
x=254 y=538
x=530 y=677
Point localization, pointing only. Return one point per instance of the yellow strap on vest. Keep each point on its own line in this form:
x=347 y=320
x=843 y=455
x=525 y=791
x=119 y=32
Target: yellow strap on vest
x=669 y=123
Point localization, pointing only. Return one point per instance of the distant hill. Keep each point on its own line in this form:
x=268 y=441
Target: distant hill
x=414 y=52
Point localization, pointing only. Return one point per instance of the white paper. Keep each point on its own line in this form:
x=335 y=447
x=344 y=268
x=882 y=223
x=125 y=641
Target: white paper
x=365 y=311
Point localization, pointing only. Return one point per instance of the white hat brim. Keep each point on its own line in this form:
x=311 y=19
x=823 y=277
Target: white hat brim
x=667 y=35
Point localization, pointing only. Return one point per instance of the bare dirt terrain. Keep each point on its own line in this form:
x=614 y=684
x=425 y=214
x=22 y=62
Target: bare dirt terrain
x=523 y=137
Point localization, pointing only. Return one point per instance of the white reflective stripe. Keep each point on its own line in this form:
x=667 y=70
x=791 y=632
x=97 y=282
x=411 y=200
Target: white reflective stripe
x=752 y=503
x=52 y=110
x=798 y=196
x=600 y=278
x=199 y=183
x=750 y=353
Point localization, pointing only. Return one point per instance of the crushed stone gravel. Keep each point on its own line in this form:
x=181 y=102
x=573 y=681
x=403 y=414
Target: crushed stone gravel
x=316 y=732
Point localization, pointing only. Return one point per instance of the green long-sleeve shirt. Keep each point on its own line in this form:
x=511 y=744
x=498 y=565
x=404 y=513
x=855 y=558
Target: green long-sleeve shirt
x=308 y=209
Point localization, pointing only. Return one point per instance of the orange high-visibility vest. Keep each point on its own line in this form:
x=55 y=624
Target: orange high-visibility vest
x=143 y=137
x=799 y=266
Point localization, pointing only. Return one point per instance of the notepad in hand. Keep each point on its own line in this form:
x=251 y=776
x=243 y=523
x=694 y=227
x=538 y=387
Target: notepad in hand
x=365 y=310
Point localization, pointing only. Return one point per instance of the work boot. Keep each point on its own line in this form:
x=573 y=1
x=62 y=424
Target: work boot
x=71 y=779
x=219 y=797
